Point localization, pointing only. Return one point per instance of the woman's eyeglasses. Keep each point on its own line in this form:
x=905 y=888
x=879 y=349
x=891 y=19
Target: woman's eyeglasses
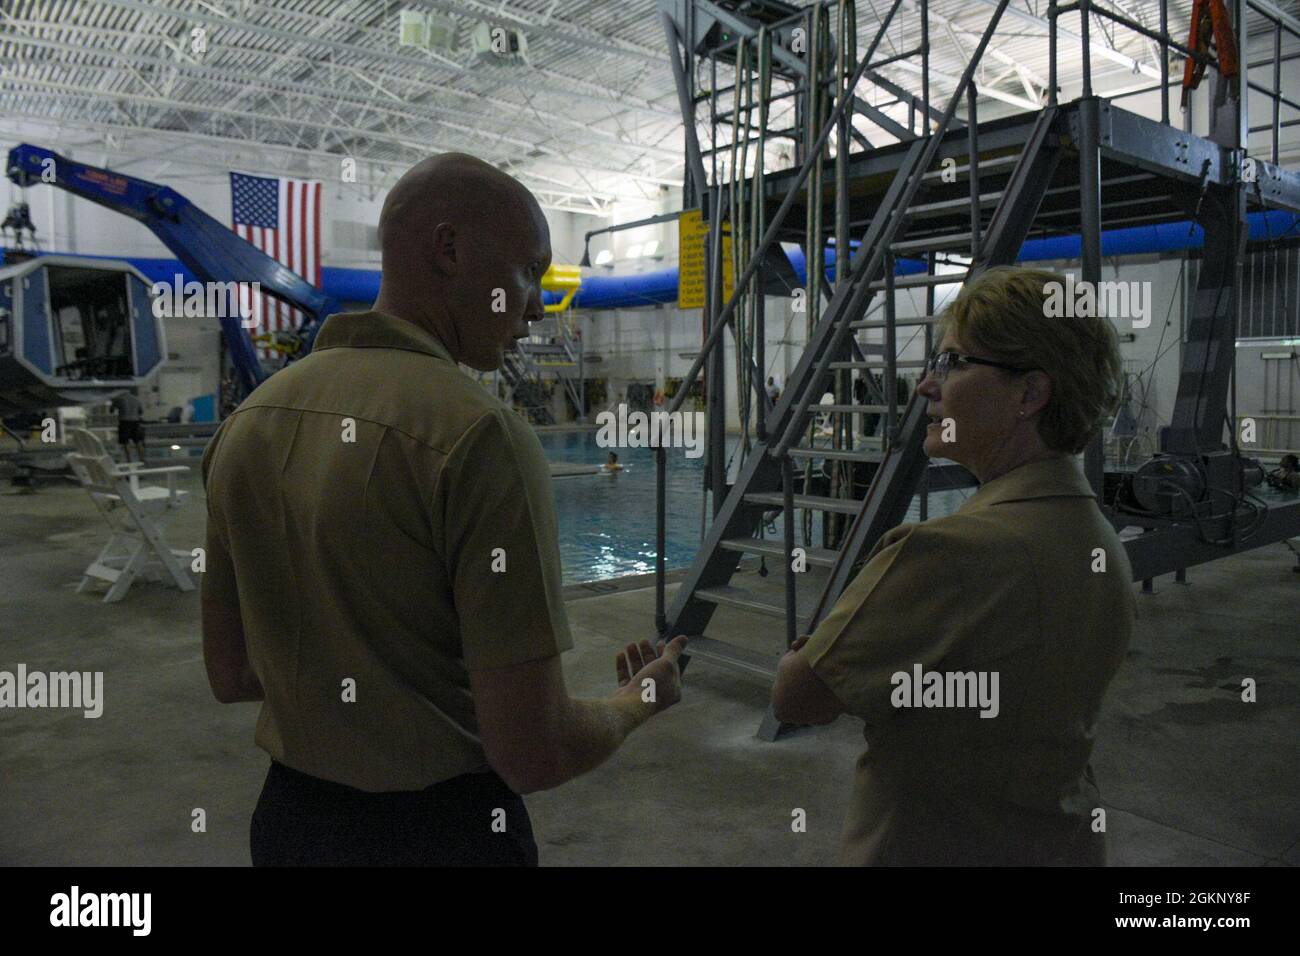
x=940 y=365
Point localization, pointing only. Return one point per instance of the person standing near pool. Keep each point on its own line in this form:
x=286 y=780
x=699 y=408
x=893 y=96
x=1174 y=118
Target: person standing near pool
x=130 y=423
x=1020 y=604
x=383 y=571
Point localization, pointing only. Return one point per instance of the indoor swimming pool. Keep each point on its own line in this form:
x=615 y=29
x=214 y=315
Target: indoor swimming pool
x=607 y=523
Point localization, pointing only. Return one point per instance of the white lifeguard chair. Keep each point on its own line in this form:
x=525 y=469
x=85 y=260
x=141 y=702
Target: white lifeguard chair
x=90 y=445
x=137 y=514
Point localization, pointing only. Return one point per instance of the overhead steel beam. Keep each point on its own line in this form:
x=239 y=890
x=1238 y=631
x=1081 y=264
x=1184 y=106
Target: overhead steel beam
x=221 y=154
x=908 y=96
x=1098 y=49
x=800 y=69
x=314 y=92
x=332 y=159
x=694 y=159
x=567 y=31
x=404 y=141
x=380 y=55
x=989 y=91
x=996 y=52
x=1273 y=10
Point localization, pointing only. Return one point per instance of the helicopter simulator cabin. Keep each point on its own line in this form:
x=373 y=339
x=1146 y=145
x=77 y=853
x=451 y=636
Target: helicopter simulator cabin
x=74 y=330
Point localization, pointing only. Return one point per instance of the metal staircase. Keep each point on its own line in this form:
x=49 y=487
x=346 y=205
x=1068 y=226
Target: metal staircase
x=933 y=225
x=913 y=217
x=769 y=483
x=524 y=386
x=554 y=346
x=550 y=348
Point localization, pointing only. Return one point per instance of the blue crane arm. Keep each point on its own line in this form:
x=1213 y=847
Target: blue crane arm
x=210 y=250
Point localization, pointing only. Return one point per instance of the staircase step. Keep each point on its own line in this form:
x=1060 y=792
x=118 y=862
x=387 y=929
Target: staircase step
x=875 y=441
x=730 y=596
x=946 y=206
x=839 y=454
x=773 y=548
x=852 y=409
x=774 y=499
x=1003 y=164
x=922 y=281
x=956 y=240
x=898 y=323
x=729 y=655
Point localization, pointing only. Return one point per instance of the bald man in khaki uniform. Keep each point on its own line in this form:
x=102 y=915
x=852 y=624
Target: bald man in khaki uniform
x=383 y=570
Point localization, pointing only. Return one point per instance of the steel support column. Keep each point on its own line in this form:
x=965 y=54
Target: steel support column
x=1090 y=227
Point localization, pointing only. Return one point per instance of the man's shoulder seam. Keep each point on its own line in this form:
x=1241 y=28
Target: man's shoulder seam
x=389 y=426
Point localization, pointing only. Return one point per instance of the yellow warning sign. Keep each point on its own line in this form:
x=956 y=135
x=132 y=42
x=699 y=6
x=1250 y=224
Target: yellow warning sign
x=692 y=245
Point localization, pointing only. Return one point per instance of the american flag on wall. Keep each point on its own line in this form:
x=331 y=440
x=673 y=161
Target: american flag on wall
x=282 y=218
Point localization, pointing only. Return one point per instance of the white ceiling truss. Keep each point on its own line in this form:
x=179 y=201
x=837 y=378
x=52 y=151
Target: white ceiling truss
x=587 y=118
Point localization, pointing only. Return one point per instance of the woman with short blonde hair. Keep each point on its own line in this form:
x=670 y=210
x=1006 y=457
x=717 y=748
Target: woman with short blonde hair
x=1002 y=313
x=977 y=647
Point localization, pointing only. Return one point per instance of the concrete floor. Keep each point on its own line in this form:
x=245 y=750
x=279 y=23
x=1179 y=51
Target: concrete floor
x=1188 y=773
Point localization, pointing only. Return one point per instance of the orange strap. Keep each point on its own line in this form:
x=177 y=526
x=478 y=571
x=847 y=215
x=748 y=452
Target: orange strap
x=1224 y=42
x=1209 y=19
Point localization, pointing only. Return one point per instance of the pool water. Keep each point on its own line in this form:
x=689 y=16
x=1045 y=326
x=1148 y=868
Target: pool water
x=607 y=523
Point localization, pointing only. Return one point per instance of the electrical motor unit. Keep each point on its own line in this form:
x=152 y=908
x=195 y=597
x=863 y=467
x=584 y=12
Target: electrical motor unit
x=1173 y=485
x=1169 y=486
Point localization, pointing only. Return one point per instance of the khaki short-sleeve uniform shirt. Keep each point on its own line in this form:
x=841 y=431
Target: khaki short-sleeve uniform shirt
x=1009 y=584
x=385 y=526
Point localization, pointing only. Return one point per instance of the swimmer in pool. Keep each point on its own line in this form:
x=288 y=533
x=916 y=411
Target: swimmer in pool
x=611 y=466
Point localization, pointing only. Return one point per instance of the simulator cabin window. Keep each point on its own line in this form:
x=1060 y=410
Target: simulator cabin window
x=92 y=332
